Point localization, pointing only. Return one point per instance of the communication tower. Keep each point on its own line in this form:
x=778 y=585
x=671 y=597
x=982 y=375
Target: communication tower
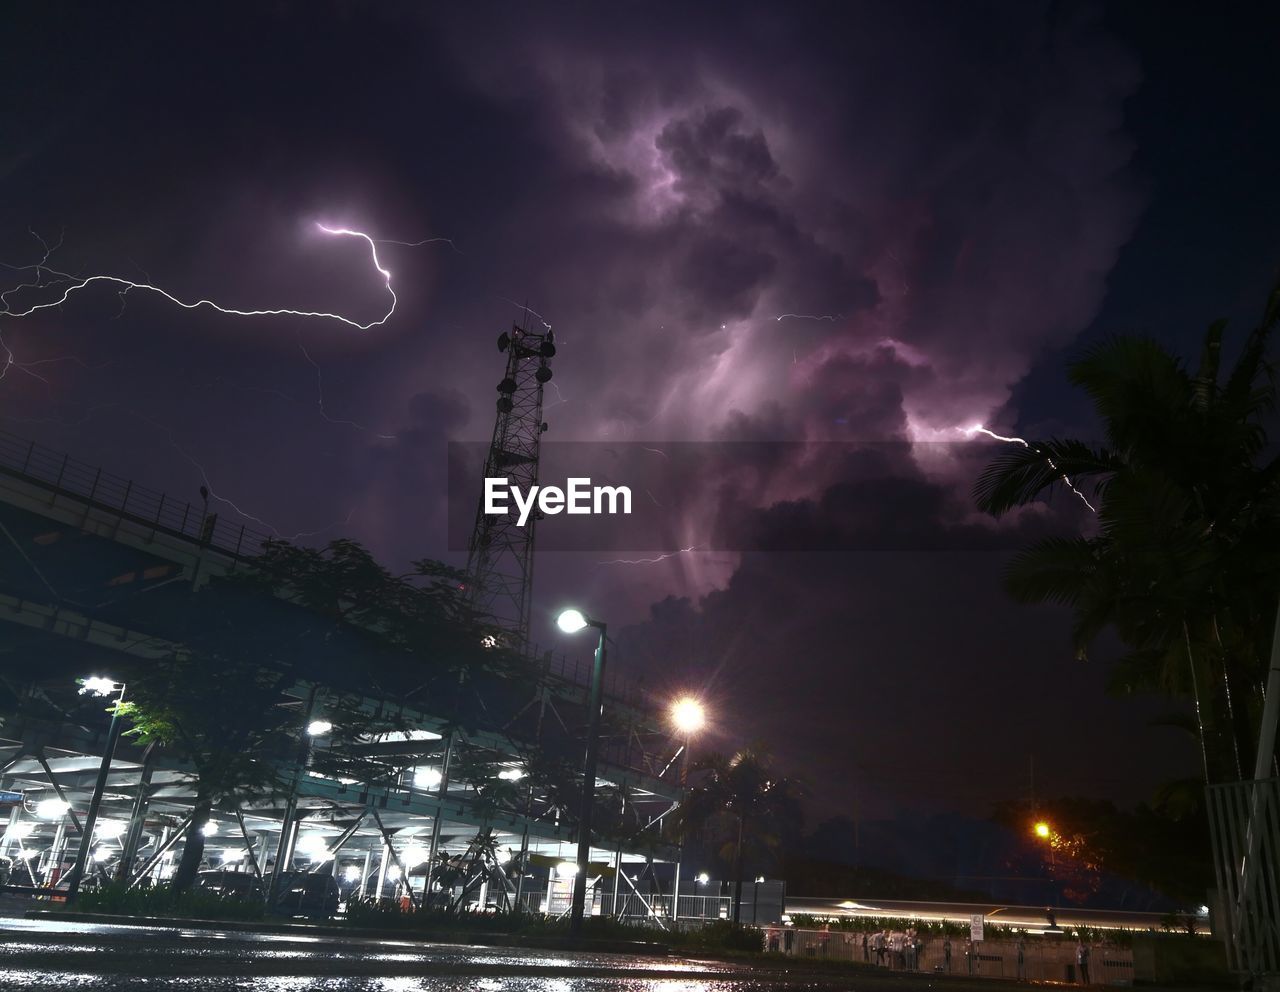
x=500 y=559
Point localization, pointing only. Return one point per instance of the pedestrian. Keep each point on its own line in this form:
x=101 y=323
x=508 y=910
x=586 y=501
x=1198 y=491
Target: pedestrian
x=909 y=949
x=1082 y=961
x=969 y=953
x=866 y=954
x=1022 y=957
x=878 y=943
x=824 y=935
x=774 y=937
x=918 y=941
x=946 y=953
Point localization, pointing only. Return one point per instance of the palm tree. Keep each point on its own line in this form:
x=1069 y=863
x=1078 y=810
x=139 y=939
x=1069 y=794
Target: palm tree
x=740 y=801
x=1182 y=563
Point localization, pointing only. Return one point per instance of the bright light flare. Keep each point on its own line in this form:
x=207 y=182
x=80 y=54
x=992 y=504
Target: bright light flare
x=1043 y=830
x=318 y=728
x=572 y=621
x=96 y=685
x=415 y=854
x=688 y=715
x=427 y=777
x=52 y=809
x=314 y=846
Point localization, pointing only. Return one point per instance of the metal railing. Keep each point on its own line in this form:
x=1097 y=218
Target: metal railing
x=63 y=475
x=1244 y=822
x=66 y=476
x=635 y=908
x=1040 y=960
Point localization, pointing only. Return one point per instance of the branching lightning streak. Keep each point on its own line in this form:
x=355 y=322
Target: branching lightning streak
x=559 y=394
x=525 y=306
x=320 y=400
x=218 y=497
x=419 y=244
x=127 y=285
x=647 y=561
x=811 y=316
x=979 y=429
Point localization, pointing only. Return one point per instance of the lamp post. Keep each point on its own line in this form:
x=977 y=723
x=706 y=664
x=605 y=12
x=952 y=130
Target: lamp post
x=1045 y=832
x=572 y=621
x=688 y=717
x=96 y=687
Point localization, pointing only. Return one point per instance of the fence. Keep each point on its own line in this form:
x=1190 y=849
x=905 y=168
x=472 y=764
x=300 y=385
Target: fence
x=1244 y=821
x=635 y=908
x=65 y=475
x=1041 y=960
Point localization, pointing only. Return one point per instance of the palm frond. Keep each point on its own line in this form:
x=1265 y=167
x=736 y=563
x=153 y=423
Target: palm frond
x=1019 y=475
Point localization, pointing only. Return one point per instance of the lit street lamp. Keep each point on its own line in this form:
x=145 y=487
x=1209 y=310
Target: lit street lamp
x=688 y=717
x=96 y=686
x=572 y=621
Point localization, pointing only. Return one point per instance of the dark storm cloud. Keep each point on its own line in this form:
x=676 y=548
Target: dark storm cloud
x=928 y=195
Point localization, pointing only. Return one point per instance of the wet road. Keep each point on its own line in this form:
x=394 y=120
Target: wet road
x=89 y=956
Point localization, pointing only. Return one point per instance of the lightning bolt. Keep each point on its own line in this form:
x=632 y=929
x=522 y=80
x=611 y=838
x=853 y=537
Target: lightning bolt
x=648 y=561
x=525 y=306
x=76 y=283
x=979 y=429
x=419 y=244
x=561 y=399
x=810 y=316
x=219 y=498
x=320 y=401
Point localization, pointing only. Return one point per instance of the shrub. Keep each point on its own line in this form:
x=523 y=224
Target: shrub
x=192 y=904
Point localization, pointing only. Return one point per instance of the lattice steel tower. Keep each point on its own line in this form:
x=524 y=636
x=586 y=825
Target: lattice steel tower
x=500 y=562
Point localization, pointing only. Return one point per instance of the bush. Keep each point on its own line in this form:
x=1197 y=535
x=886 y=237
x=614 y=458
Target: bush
x=387 y=914
x=193 y=904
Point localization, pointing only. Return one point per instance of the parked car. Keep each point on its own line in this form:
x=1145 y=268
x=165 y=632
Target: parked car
x=301 y=893
x=236 y=885
x=298 y=893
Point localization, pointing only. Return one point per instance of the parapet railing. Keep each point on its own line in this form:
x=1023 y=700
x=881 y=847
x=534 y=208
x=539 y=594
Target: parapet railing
x=66 y=476
x=63 y=475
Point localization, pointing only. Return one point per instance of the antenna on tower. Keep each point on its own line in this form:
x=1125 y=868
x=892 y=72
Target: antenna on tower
x=500 y=558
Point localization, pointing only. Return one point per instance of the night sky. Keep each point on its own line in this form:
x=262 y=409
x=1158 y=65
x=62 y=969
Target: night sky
x=873 y=224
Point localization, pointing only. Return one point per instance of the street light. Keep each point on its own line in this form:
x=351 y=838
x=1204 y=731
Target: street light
x=1043 y=830
x=688 y=717
x=96 y=686
x=571 y=621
